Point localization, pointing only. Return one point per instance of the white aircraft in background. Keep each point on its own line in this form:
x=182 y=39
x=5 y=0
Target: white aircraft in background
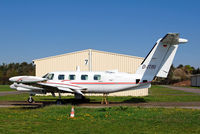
x=157 y=63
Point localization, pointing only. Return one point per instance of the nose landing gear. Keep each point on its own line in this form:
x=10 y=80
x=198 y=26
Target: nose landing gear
x=30 y=99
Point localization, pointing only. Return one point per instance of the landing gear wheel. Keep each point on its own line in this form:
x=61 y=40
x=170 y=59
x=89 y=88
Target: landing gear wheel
x=79 y=96
x=30 y=100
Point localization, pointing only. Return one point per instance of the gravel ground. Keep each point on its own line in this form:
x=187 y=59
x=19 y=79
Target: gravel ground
x=24 y=104
x=191 y=90
x=9 y=93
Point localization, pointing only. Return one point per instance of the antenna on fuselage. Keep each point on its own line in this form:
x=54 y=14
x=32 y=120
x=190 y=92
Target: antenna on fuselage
x=78 y=68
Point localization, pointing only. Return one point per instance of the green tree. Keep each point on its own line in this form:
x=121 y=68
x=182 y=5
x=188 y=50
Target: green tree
x=15 y=69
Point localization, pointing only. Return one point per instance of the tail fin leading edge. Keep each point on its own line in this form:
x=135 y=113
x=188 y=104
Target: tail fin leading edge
x=160 y=58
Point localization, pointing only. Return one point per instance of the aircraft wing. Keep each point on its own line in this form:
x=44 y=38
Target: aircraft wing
x=78 y=91
x=71 y=88
x=65 y=89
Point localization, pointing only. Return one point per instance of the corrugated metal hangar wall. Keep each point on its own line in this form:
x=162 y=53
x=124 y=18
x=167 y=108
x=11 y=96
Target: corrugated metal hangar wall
x=92 y=60
x=195 y=80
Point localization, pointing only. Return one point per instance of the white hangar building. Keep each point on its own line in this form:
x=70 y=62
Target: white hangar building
x=92 y=60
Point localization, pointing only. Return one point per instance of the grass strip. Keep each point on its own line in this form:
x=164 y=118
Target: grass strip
x=116 y=120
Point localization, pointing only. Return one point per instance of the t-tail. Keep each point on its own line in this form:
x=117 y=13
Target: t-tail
x=160 y=58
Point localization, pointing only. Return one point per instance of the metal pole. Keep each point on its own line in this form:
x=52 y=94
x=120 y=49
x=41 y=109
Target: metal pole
x=90 y=60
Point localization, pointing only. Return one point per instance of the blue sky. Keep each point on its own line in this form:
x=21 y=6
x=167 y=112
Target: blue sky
x=39 y=28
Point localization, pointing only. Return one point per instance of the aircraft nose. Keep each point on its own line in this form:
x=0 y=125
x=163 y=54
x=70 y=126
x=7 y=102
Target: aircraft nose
x=13 y=79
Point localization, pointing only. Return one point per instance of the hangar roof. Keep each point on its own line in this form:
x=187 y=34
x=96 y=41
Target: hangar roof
x=88 y=50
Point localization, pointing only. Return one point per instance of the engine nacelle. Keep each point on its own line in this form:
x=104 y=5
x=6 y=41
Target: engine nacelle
x=21 y=89
x=27 y=88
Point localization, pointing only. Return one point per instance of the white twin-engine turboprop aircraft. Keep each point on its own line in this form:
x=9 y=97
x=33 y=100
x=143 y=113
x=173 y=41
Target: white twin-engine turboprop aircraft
x=157 y=63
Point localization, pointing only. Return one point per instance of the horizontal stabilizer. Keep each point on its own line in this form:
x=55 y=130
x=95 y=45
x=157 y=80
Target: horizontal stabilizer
x=173 y=39
x=142 y=86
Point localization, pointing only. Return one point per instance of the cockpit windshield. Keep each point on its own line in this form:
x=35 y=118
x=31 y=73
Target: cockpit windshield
x=48 y=76
x=45 y=76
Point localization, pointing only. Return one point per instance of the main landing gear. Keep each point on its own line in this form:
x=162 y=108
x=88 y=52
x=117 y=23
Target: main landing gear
x=79 y=96
x=104 y=99
x=59 y=101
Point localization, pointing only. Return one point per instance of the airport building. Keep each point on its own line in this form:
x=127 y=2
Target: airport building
x=92 y=60
x=195 y=80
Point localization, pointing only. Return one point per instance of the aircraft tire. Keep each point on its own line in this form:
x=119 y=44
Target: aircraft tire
x=30 y=100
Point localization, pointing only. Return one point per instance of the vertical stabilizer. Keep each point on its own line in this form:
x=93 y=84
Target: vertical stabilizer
x=160 y=58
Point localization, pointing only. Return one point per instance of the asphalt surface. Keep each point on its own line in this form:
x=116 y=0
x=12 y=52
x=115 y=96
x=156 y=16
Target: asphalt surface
x=9 y=93
x=191 y=90
x=39 y=104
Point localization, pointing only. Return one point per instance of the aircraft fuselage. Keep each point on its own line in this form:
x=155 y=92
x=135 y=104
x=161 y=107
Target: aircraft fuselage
x=94 y=82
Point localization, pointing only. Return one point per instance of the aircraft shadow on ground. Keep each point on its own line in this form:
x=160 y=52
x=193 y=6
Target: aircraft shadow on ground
x=93 y=101
x=135 y=100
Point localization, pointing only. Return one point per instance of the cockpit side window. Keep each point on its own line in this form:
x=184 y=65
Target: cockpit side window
x=50 y=76
x=61 y=77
